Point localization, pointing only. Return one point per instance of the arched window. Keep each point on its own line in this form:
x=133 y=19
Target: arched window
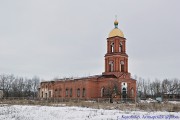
x=78 y=92
x=120 y=47
x=66 y=92
x=102 y=91
x=111 y=66
x=84 y=92
x=122 y=66
x=112 y=47
x=70 y=92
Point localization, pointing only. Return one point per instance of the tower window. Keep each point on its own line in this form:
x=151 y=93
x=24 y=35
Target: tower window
x=120 y=47
x=111 y=66
x=112 y=47
x=122 y=66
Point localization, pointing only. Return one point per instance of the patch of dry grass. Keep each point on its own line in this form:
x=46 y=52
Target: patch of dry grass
x=101 y=105
x=159 y=107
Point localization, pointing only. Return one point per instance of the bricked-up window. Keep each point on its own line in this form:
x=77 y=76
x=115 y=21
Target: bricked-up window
x=120 y=47
x=132 y=92
x=59 y=92
x=122 y=66
x=112 y=47
x=84 y=92
x=66 y=92
x=111 y=66
x=78 y=92
x=70 y=92
x=49 y=93
x=56 y=93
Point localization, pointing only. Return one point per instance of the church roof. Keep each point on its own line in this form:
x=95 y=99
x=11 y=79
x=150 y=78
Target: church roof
x=108 y=76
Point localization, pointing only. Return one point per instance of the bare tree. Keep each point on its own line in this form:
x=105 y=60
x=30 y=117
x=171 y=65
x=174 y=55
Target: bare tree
x=6 y=82
x=112 y=90
x=35 y=85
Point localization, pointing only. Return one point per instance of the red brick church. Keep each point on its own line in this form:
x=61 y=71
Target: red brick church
x=114 y=82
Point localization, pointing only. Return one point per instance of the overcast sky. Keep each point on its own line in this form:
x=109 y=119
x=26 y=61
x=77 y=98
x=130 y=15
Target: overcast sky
x=63 y=38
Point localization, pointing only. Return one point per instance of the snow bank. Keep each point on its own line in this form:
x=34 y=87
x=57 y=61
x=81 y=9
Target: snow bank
x=19 y=112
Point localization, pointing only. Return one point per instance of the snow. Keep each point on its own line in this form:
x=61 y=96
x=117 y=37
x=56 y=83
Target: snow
x=174 y=102
x=149 y=100
x=24 y=112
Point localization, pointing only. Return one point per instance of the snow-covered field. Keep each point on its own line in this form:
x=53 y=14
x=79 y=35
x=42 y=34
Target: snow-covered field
x=24 y=112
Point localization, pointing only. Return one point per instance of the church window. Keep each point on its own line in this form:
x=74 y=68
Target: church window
x=111 y=66
x=122 y=66
x=66 y=92
x=102 y=91
x=42 y=94
x=84 y=92
x=78 y=92
x=120 y=47
x=49 y=94
x=71 y=92
x=112 y=47
x=46 y=95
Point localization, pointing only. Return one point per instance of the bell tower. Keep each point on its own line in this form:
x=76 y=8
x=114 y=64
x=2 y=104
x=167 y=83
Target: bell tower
x=116 y=59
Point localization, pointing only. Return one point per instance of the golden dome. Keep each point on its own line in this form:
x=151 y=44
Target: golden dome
x=116 y=31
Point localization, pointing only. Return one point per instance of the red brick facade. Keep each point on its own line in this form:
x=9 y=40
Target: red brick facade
x=116 y=81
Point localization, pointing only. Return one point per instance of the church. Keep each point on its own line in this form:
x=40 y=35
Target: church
x=114 y=82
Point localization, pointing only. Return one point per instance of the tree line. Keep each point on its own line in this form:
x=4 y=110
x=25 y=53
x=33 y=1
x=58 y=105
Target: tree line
x=13 y=86
x=157 y=88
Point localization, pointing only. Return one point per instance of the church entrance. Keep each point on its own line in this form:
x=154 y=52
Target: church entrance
x=124 y=93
